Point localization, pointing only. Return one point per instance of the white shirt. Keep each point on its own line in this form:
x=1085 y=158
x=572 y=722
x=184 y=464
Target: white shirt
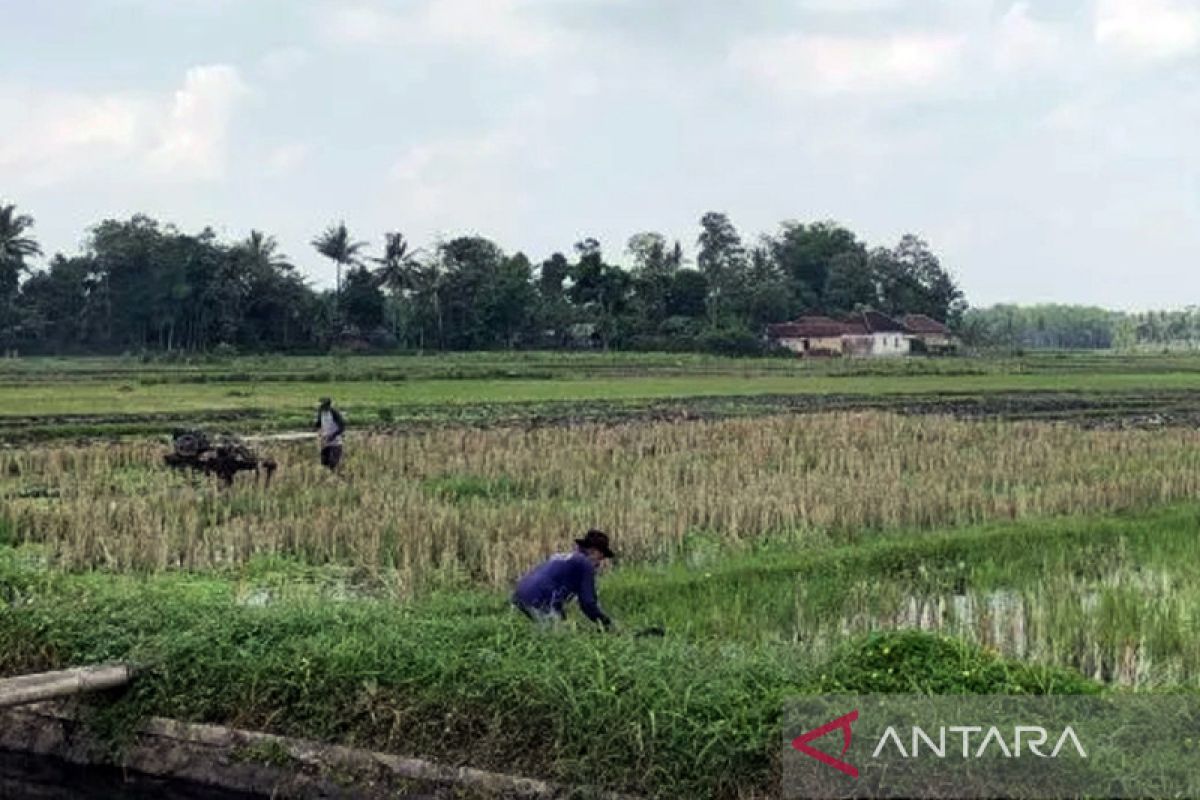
x=328 y=428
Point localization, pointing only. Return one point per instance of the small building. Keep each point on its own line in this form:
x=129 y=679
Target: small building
x=876 y=335
x=809 y=336
x=932 y=335
x=867 y=334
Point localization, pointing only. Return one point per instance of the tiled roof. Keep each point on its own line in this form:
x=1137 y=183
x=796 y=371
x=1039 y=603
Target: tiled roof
x=919 y=323
x=808 y=328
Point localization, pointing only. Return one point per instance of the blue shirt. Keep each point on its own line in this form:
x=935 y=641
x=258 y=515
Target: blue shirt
x=554 y=582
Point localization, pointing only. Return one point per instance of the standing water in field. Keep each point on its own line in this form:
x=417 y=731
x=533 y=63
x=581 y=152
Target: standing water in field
x=1120 y=629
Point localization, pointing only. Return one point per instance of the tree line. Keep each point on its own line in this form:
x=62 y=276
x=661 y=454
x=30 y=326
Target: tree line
x=142 y=285
x=1011 y=327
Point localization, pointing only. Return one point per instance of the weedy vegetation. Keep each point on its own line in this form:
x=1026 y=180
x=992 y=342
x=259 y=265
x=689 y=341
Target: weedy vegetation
x=831 y=551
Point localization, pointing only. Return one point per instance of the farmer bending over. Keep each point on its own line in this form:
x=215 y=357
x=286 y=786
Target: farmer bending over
x=542 y=593
x=330 y=426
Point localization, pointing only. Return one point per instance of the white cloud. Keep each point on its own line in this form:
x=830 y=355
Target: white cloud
x=1148 y=29
x=52 y=135
x=830 y=65
x=1023 y=42
x=287 y=157
x=194 y=138
x=509 y=28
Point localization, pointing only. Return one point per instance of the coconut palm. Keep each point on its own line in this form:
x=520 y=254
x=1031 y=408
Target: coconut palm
x=398 y=265
x=15 y=246
x=262 y=253
x=336 y=245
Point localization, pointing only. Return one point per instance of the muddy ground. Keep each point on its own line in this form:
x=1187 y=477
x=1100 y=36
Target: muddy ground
x=1092 y=410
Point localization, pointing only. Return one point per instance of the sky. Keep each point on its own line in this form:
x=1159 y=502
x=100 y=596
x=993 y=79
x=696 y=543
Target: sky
x=1048 y=150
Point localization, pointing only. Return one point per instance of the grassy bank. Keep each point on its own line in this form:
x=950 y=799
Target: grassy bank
x=458 y=677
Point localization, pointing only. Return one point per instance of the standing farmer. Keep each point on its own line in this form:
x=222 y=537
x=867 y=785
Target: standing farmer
x=330 y=426
x=542 y=593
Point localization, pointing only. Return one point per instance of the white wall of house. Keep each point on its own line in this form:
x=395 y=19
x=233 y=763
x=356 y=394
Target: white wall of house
x=795 y=345
x=890 y=344
x=878 y=345
x=874 y=345
x=807 y=344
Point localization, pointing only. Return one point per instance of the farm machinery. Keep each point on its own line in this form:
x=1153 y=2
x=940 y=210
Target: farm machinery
x=223 y=456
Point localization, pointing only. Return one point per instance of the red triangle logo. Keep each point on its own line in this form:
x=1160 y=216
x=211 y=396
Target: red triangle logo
x=801 y=743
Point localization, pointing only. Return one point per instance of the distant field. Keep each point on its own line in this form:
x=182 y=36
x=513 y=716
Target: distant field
x=69 y=397
x=103 y=397
x=508 y=364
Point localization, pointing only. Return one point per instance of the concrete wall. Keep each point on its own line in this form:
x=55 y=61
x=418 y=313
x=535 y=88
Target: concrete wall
x=825 y=345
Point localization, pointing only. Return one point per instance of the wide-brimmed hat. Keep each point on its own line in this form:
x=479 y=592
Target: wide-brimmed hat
x=596 y=540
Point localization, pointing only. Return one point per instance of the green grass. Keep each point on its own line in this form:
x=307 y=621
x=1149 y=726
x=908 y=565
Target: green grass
x=321 y=652
x=1140 y=570
x=457 y=676
x=106 y=398
x=670 y=718
x=61 y=398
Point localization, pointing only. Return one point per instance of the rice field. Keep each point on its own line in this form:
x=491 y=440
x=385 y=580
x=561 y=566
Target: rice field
x=783 y=553
x=480 y=505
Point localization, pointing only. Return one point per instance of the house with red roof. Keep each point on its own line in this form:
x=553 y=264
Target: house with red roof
x=934 y=336
x=810 y=335
x=867 y=334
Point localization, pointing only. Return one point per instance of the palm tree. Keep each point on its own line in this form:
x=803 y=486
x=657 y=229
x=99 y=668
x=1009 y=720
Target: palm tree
x=397 y=272
x=262 y=253
x=15 y=246
x=398 y=264
x=335 y=244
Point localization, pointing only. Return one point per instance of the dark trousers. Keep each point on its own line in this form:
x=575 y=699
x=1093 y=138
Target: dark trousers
x=331 y=456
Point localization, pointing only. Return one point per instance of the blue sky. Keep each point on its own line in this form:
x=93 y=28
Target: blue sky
x=1047 y=149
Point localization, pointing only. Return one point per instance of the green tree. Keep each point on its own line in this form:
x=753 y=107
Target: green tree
x=16 y=245
x=654 y=268
x=512 y=303
x=600 y=289
x=429 y=281
x=56 y=305
x=912 y=280
x=397 y=265
x=362 y=301
x=488 y=298
x=687 y=295
x=805 y=254
x=278 y=309
x=259 y=255
x=554 y=310
x=722 y=261
x=336 y=244
x=397 y=272
x=850 y=284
